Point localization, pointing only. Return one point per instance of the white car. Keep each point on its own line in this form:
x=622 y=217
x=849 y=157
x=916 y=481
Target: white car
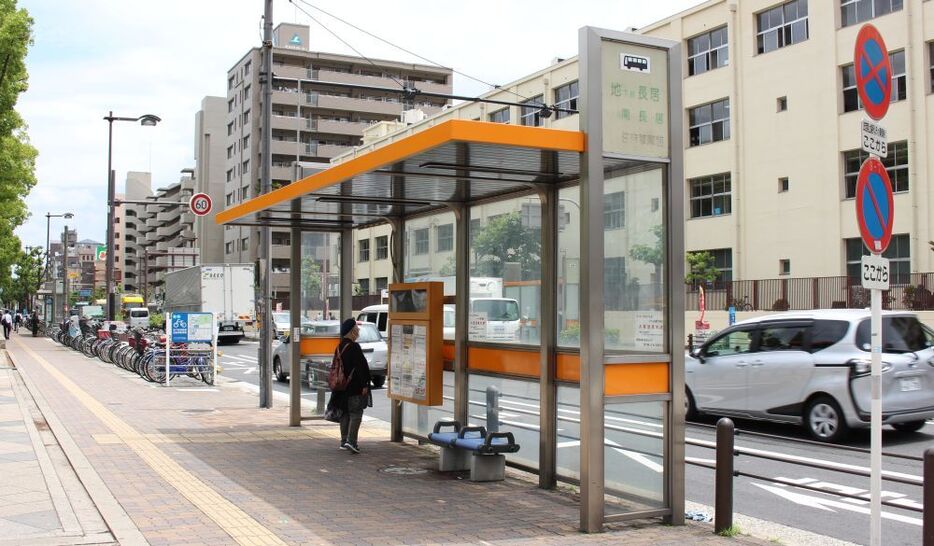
x=374 y=349
x=813 y=368
x=282 y=320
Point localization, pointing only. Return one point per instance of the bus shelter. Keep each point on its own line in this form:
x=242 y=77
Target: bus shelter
x=594 y=389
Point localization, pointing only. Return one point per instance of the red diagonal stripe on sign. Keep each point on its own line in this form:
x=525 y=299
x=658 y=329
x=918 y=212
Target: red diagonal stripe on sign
x=874 y=72
x=875 y=204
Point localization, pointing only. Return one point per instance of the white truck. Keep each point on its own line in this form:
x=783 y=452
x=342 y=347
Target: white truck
x=488 y=304
x=227 y=290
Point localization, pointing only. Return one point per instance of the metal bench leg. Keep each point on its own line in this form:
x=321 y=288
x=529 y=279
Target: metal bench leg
x=487 y=468
x=453 y=460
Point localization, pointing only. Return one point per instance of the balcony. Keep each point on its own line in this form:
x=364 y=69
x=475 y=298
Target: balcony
x=288 y=123
x=353 y=128
x=352 y=104
x=169 y=215
x=187 y=218
x=285 y=147
x=290 y=72
x=188 y=184
x=325 y=150
x=287 y=97
x=281 y=252
x=377 y=81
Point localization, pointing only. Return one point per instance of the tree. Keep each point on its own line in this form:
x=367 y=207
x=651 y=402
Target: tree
x=701 y=268
x=311 y=278
x=28 y=277
x=504 y=239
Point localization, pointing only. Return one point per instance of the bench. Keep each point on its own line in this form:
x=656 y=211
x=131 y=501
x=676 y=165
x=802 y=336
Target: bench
x=487 y=461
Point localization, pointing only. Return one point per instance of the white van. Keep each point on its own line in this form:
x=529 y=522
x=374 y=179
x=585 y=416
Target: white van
x=502 y=321
x=138 y=317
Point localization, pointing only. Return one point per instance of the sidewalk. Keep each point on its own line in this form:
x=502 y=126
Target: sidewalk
x=205 y=466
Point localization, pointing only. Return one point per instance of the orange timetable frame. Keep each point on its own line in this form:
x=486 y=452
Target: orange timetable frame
x=416 y=363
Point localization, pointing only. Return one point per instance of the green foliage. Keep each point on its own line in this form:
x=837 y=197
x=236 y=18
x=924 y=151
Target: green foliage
x=651 y=254
x=28 y=277
x=504 y=239
x=732 y=531
x=17 y=156
x=449 y=269
x=311 y=278
x=701 y=268
x=157 y=320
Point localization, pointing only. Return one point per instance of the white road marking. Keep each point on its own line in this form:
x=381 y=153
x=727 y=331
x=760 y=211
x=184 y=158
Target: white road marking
x=828 y=505
x=895 y=498
x=243 y=358
x=569 y=443
x=249 y=371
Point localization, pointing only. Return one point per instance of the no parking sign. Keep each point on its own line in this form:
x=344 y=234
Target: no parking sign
x=873 y=72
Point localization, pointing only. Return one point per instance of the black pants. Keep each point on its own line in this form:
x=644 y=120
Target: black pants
x=350 y=421
x=6 y=331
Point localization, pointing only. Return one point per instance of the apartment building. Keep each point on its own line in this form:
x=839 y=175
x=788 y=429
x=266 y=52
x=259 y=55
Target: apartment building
x=210 y=142
x=317 y=115
x=138 y=186
x=771 y=142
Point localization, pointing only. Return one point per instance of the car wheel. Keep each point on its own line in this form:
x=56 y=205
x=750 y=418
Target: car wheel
x=690 y=408
x=378 y=381
x=910 y=426
x=277 y=371
x=824 y=420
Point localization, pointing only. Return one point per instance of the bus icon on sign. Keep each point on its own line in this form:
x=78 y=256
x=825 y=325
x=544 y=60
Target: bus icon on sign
x=636 y=63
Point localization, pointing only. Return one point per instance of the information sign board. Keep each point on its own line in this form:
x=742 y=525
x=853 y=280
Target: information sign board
x=192 y=328
x=873 y=138
x=874 y=272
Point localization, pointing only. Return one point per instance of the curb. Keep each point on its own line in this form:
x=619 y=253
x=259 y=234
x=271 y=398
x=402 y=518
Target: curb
x=115 y=517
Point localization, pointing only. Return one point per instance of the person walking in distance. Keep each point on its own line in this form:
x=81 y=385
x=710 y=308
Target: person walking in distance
x=7 y=323
x=17 y=319
x=356 y=396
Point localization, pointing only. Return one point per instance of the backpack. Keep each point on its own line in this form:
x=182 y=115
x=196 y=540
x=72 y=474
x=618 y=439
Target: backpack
x=337 y=380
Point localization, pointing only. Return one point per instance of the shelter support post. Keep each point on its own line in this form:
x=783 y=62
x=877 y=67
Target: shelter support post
x=295 y=317
x=346 y=275
x=591 y=289
x=461 y=310
x=548 y=394
x=396 y=250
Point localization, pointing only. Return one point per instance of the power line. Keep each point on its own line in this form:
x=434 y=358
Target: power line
x=355 y=50
x=385 y=41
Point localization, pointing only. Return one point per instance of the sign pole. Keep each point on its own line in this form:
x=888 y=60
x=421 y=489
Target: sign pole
x=875 y=471
x=168 y=345
x=214 y=325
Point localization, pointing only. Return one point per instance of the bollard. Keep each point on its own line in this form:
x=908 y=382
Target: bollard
x=723 y=500
x=492 y=409
x=320 y=391
x=927 y=499
x=690 y=343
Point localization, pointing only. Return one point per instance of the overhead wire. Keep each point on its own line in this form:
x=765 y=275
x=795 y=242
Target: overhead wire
x=385 y=41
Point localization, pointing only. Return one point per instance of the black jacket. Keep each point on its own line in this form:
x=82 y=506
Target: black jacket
x=355 y=363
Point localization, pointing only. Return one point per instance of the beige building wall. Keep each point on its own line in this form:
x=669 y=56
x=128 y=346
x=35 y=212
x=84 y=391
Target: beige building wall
x=805 y=143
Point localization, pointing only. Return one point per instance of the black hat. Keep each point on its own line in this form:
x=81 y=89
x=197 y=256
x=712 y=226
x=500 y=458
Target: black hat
x=347 y=326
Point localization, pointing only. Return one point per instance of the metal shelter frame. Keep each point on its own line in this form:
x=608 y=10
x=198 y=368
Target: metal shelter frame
x=456 y=164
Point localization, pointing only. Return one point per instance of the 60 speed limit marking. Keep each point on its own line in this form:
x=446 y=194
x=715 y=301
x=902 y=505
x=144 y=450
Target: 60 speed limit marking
x=200 y=204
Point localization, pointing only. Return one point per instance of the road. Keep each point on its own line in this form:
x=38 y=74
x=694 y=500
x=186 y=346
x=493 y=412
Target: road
x=634 y=460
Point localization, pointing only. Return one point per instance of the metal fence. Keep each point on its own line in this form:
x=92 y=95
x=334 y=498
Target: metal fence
x=914 y=293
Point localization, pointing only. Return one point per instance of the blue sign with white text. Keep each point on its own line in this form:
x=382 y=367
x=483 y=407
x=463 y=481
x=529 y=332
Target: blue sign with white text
x=179 y=327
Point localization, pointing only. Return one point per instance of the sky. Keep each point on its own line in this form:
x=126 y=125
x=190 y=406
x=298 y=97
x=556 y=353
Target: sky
x=161 y=57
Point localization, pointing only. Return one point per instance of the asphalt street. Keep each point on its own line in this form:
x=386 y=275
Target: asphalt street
x=634 y=457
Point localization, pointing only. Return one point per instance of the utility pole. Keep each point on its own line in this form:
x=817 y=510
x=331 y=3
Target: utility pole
x=65 y=274
x=263 y=303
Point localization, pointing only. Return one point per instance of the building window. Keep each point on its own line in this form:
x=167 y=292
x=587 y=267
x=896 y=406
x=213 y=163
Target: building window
x=566 y=97
x=246 y=142
x=710 y=122
x=230 y=199
x=246 y=68
x=246 y=93
x=230 y=128
x=382 y=283
x=532 y=115
x=364 y=285
x=781 y=104
x=857 y=11
x=364 y=250
x=722 y=261
x=445 y=238
x=710 y=195
x=783 y=184
x=246 y=166
x=228 y=247
x=896 y=164
x=230 y=105
x=421 y=241
x=382 y=247
x=246 y=118
x=229 y=152
x=782 y=25
x=784 y=267
x=245 y=192
x=230 y=82
x=708 y=51
x=614 y=274
x=500 y=116
x=898 y=253
x=851 y=101
x=245 y=243
x=614 y=215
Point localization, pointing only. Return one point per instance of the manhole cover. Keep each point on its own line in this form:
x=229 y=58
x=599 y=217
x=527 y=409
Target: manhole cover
x=198 y=411
x=403 y=470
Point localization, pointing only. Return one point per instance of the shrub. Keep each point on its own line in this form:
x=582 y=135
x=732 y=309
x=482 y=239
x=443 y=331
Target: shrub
x=781 y=304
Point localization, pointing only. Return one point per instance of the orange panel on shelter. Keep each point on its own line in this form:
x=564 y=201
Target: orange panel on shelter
x=319 y=345
x=568 y=367
x=643 y=378
x=447 y=350
x=508 y=361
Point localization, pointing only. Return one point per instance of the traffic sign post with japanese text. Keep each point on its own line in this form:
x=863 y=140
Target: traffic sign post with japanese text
x=875 y=214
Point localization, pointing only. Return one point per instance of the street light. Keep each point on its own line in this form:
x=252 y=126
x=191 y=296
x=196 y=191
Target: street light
x=146 y=120
x=48 y=259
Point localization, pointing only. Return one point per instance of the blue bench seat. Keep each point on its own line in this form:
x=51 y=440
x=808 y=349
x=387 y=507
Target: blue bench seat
x=487 y=448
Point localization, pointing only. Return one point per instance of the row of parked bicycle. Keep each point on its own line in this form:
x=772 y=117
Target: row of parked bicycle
x=142 y=351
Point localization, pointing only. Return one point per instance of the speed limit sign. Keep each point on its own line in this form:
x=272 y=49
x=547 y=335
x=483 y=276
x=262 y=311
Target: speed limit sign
x=200 y=204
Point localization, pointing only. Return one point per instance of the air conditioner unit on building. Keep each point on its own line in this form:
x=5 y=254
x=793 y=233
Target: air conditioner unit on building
x=413 y=116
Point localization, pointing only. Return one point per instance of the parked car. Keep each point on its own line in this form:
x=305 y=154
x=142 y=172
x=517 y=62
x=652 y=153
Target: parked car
x=138 y=317
x=282 y=320
x=813 y=368
x=373 y=345
x=378 y=314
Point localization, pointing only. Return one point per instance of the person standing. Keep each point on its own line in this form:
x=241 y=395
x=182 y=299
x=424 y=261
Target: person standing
x=17 y=319
x=34 y=323
x=7 y=323
x=356 y=397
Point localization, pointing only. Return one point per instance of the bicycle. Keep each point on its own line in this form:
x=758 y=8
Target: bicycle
x=742 y=305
